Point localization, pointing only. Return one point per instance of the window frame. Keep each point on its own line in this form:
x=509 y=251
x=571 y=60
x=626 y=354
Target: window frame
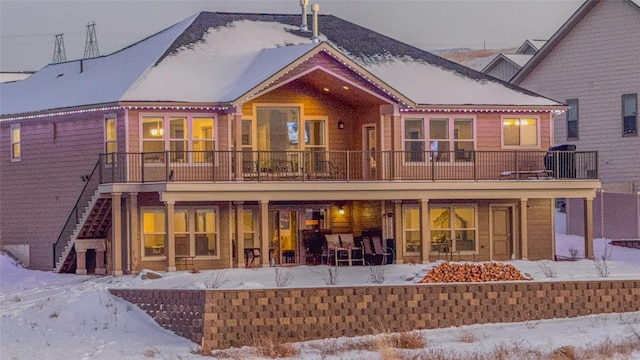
x=576 y=120
x=538 y=143
x=405 y=208
x=452 y=227
x=633 y=96
x=15 y=143
x=451 y=139
x=191 y=231
x=110 y=158
x=167 y=140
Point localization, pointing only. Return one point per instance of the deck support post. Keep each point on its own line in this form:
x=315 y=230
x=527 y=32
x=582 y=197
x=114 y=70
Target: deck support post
x=425 y=231
x=116 y=233
x=264 y=233
x=170 y=238
x=588 y=228
x=239 y=214
x=524 y=231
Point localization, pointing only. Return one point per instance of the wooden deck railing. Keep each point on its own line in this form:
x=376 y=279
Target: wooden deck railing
x=225 y=166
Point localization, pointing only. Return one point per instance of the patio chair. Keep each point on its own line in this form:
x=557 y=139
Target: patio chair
x=380 y=249
x=369 y=254
x=334 y=249
x=354 y=252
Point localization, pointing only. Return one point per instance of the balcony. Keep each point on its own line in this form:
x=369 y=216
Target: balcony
x=346 y=166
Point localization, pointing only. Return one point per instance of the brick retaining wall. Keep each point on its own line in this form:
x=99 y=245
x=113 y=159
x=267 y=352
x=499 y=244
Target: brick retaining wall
x=225 y=318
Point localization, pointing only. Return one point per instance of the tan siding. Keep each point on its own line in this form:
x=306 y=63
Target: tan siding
x=540 y=228
x=596 y=63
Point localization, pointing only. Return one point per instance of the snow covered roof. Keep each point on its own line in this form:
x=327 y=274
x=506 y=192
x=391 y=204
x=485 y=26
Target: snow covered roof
x=218 y=57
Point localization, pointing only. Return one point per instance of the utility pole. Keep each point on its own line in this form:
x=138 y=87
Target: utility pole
x=91 y=42
x=59 y=54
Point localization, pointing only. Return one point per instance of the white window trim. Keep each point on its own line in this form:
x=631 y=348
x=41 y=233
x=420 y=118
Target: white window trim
x=254 y=123
x=537 y=146
x=304 y=120
x=426 y=118
x=13 y=157
x=404 y=229
x=167 y=140
x=452 y=227
x=191 y=211
x=144 y=210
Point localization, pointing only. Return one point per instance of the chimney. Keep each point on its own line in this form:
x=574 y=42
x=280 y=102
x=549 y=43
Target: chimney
x=81 y=66
x=315 y=8
x=303 y=26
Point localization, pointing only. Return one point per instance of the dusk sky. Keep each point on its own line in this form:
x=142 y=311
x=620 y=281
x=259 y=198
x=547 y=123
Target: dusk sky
x=27 y=28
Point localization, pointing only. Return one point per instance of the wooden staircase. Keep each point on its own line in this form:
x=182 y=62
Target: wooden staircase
x=94 y=223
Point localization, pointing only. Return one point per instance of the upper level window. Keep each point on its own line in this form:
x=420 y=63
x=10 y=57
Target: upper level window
x=16 y=142
x=110 y=144
x=519 y=132
x=187 y=138
x=572 y=119
x=449 y=139
x=630 y=114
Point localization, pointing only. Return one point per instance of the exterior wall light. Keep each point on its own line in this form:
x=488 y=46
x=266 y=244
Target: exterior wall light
x=340 y=124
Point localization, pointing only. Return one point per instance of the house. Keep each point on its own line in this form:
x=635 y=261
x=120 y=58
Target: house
x=230 y=139
x=591 y=64
x=504 y=65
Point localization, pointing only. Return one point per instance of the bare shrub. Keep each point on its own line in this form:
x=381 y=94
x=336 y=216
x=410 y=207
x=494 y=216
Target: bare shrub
x=564 y=353
x=548 y=268
x=54 y=315
x=466 y=336
x=283 y=277
x=269 y=348
x=602 y=265
x=573 y=253
x=409 y=340
x=332 y=276
x=377 y=274
x=384 y=346
x=217 y=279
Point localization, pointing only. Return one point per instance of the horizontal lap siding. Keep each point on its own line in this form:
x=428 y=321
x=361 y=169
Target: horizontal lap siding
x=38 y=193
x=596 y=63
x=540 y=229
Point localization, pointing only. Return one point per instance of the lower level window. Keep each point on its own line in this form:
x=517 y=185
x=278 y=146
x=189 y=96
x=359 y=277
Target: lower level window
x=153 y=233
x=454 y=227
x=195 y=232
x=411 y=225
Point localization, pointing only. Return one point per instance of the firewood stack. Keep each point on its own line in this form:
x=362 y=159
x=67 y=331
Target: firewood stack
x=493 y=271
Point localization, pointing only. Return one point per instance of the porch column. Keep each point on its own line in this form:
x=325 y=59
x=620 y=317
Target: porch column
x=588 y=228
x=264 y=233
x=134 y=232
x=81 y=262
x=524 y=239
x=239 y=214
x=237 y=142
x=425 y=230
x=116 y=233
x=397 y=228
x=170 y=239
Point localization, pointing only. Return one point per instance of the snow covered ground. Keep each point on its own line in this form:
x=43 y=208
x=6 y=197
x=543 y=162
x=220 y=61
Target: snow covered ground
x=51 y=316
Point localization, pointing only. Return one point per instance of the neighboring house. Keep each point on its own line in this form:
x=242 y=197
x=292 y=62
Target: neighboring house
x=592 y=63
x=8 y=76
x=505 y=65
x=235 y=138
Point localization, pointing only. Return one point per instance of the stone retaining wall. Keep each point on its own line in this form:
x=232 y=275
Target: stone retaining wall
x=225 y=318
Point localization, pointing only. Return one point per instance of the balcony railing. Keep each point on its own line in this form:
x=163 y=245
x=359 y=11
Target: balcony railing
x=224 y=166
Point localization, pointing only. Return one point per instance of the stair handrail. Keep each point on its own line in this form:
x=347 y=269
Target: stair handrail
x=74 y=216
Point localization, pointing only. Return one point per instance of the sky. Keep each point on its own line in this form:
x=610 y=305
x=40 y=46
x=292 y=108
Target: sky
x=28 y=28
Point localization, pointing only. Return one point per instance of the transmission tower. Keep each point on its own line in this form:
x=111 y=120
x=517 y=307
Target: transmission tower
x=91 y=43
x=59 y=54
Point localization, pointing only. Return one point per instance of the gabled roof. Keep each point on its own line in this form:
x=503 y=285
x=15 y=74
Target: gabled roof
x=518 y=60
x=218 y=57
x=560 y=34
x=534 y=44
